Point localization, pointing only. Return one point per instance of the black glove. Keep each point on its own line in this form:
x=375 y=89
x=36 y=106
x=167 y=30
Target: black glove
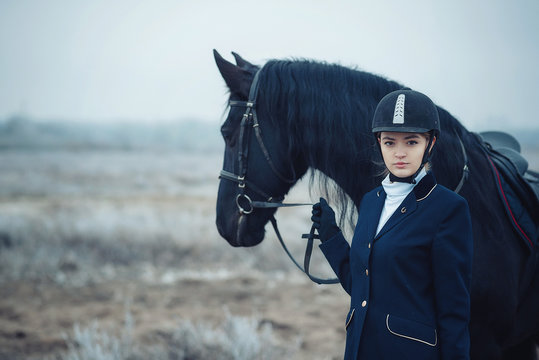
x=324 y=220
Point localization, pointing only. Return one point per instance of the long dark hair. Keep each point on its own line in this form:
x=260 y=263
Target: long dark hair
x=325 y=99
x=317 y=99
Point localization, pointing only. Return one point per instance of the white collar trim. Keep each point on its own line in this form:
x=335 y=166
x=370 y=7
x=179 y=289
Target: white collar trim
x=400 y=188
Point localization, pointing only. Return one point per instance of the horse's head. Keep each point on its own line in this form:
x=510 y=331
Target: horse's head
x=258 y=170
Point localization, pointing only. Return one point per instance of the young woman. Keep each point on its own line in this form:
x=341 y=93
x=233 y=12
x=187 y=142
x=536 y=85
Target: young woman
x=408 y=268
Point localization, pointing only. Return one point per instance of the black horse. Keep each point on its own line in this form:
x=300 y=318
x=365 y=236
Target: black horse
x=317 y=115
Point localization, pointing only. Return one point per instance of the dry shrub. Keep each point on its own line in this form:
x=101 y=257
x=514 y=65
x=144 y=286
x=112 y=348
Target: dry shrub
x=237 y=338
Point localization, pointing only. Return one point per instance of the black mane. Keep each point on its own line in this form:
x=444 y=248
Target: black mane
x=316 y=100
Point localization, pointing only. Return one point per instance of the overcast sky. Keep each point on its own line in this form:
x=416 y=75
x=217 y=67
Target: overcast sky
x=152 y=60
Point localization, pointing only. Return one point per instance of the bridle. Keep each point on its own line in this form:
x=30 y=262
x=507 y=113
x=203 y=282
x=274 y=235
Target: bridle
x=244 y=203
x=249 y=121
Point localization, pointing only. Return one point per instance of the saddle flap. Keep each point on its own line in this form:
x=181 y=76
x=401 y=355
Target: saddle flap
x=518 y=161
x=518 y=186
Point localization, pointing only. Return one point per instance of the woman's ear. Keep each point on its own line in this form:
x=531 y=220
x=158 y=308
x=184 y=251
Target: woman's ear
x=433 y=142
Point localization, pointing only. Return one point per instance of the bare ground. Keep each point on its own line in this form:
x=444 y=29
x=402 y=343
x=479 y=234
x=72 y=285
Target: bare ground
x=34 y=317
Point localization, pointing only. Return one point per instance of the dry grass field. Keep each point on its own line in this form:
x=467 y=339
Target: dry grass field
x=110 y=254
x=115 y=255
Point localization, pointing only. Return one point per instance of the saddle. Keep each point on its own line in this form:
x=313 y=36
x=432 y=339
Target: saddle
x=518 y=186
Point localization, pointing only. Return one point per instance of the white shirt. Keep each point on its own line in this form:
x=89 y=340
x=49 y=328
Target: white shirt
x=396 y=192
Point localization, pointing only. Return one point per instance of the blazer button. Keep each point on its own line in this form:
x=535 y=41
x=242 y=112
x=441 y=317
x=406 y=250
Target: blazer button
x=364 y=303
x=369 y=246
x=367 y=272
x=403 y=210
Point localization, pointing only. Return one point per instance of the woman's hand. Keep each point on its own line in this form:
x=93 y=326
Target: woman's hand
x=324 y=220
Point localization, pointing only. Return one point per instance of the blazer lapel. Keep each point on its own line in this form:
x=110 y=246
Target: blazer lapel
x=407 y=207
x=374 y=213
x=420 y=192
x=370 y=213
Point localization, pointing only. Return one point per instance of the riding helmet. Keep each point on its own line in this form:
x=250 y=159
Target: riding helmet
x=406 y=110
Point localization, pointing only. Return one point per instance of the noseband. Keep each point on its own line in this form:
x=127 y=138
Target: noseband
x=244 y=203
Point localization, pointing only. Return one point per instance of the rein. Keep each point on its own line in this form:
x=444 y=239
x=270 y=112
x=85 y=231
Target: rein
x=465 y=168
x=244 y=203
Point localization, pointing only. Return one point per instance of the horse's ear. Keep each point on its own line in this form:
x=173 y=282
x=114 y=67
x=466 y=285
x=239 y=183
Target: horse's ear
x=237 y=79
x=242 y=63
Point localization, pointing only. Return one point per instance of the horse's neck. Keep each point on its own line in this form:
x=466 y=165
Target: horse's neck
x=347 y=159
x=334 y=122
x=354 y=182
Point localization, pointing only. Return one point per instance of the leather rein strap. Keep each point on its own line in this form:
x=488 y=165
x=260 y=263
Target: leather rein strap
x=244 y=203
x=465 y=169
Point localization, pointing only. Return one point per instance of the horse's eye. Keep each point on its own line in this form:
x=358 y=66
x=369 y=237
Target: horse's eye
x=228 y=136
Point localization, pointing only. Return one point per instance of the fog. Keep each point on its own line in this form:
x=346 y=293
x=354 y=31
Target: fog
x=144 y=61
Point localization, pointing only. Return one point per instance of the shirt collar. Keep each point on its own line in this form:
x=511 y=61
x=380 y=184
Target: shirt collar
x=401 y=188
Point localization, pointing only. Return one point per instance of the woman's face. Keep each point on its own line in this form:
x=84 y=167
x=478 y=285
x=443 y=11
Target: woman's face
x=403 y=152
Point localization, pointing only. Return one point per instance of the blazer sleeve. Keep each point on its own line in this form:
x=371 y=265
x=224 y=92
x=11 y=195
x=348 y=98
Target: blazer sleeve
x=452 y=252
x=337 y=251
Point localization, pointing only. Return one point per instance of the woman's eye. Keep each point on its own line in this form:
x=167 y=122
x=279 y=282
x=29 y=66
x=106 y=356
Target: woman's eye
x=388 y=143
x=412 y=142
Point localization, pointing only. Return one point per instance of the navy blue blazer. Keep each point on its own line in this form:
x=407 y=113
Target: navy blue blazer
x=409 y=284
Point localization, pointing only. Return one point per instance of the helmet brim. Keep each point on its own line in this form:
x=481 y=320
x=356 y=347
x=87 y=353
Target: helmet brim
x=405 y=129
